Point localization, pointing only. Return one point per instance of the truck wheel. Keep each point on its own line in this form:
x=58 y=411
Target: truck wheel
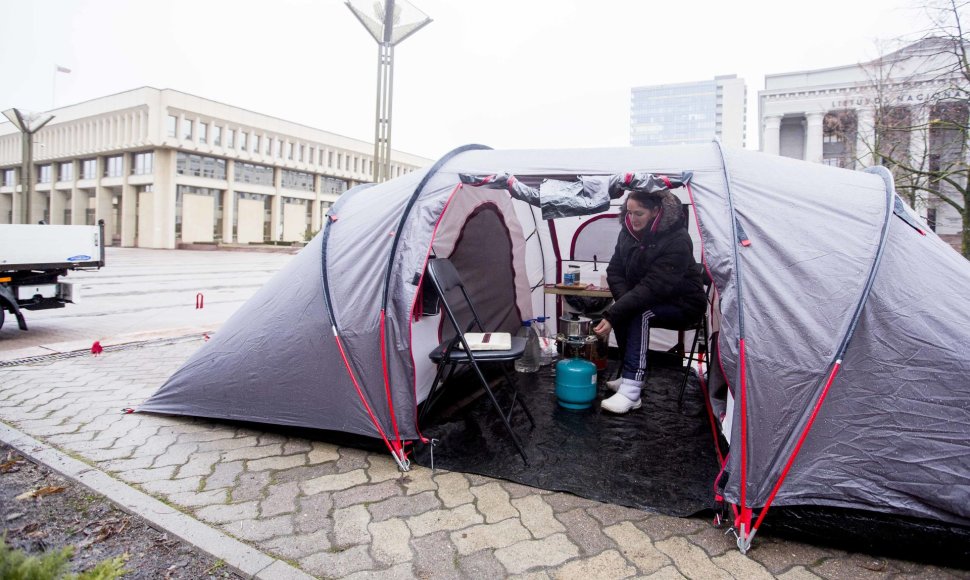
x=3 y=312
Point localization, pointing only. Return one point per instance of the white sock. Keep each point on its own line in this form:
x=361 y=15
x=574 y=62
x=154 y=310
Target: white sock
x=630 y=389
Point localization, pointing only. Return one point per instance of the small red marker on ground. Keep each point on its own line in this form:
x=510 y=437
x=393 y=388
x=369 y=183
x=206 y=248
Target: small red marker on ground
x=96 y=348
x=205 y=336
x=199 y=301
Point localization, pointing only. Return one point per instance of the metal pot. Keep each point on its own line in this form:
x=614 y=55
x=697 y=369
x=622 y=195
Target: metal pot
x=575 y=326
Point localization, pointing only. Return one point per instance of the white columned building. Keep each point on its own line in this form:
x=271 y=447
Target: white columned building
x=164 y=168
x=829 y=116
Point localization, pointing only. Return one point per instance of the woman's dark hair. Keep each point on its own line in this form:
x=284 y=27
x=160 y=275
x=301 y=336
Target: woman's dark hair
x=647 y=200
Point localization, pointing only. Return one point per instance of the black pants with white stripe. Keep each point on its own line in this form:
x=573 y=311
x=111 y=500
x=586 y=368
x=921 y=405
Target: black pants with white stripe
x=635 y=334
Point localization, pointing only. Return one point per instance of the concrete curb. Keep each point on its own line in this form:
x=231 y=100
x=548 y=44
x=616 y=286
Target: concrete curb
x=242 y=558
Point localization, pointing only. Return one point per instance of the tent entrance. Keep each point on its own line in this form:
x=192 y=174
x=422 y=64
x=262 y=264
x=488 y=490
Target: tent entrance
x=479 y=232
x=660 y=459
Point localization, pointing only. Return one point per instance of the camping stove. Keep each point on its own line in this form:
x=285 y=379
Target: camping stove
x=576 y=375
x=577 y=340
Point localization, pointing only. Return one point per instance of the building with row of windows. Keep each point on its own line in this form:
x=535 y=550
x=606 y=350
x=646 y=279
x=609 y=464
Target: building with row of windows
x=689 y=113
x=891 y=111
x=164 y=168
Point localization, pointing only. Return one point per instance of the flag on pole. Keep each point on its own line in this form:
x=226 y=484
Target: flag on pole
x=62 y=69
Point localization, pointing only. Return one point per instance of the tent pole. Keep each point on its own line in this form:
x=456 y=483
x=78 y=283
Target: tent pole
x=744 y=543
x=387 y=380
x=742 y=375
x=367 y=407
x=402 y=462
x=844 y=344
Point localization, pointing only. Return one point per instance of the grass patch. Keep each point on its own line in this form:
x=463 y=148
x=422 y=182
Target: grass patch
x=54 y=565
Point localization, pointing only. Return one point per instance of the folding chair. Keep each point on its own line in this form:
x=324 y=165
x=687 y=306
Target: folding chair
x=698 y=350
x=454 y=353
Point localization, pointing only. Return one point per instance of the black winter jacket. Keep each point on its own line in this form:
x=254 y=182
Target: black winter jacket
x=657 y=269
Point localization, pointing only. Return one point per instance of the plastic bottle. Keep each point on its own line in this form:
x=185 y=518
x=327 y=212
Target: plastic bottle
x=575 y=270
x=547 y=344
x=539 y=325
x=529 y=363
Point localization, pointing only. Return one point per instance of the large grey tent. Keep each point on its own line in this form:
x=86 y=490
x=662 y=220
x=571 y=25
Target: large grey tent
x=844 y=329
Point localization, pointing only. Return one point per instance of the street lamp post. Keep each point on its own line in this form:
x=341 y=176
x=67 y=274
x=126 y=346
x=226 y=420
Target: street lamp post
x=27 y=124
x=389 y=22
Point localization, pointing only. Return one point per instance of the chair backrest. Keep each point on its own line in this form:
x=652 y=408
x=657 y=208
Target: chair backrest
x=448 y=283
x=443 y=274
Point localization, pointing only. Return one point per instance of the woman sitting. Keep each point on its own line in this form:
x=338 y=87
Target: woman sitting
x=654 y=280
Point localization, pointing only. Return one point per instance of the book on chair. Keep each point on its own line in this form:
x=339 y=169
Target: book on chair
x=488 y=340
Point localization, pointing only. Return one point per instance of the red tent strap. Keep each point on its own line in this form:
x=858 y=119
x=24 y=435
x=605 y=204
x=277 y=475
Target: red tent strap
x=360 y=394
x=387 y=385
x=417 y=308
x=798 y=446
x=744 y=427
x=719 y=483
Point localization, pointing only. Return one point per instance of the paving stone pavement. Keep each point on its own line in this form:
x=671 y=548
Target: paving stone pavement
x=340 y=512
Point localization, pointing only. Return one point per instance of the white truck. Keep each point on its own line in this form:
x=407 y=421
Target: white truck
x=33 y=258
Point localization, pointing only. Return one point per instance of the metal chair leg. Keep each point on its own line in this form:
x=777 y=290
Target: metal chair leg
x=436 y=388
x=510 y=379
x=698 y=347
x=498 y=407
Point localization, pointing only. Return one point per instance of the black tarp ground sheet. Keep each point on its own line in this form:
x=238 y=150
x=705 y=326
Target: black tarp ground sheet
x=659 y=458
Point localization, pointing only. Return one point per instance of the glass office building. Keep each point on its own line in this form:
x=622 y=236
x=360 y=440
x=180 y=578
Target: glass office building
x=686 y=113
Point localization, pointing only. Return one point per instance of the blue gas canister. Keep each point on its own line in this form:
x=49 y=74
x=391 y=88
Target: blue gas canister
x=575 y=383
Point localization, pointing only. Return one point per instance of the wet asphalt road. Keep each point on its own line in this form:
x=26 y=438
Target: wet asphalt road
x=143 y=293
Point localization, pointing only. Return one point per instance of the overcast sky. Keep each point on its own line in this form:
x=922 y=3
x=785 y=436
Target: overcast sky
x=504 y=73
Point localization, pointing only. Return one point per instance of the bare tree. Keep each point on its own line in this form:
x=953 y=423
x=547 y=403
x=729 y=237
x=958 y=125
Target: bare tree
x=921 y=116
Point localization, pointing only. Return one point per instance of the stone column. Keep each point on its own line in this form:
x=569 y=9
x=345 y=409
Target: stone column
x=60 y=200
x=79 y=201
x=919 y=145
x=6 y=206
x=275 y=215
x=771 y=136
x=162 y=230
x=919 y=150
x=315 y=210
x=16 y=198
x=229 y=202
x=865 y=137
x=128 y=214
x=813 y=137
x=103 y=209
x=57 y=205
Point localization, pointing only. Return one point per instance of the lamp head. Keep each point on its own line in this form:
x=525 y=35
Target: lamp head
x=27 y=122
x=388 y=21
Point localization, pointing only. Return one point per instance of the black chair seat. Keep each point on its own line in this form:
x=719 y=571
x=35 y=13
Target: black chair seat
x=458 y=356
x=675 y=323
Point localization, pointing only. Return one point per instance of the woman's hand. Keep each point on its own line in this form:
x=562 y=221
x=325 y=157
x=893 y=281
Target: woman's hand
x=603 y=329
